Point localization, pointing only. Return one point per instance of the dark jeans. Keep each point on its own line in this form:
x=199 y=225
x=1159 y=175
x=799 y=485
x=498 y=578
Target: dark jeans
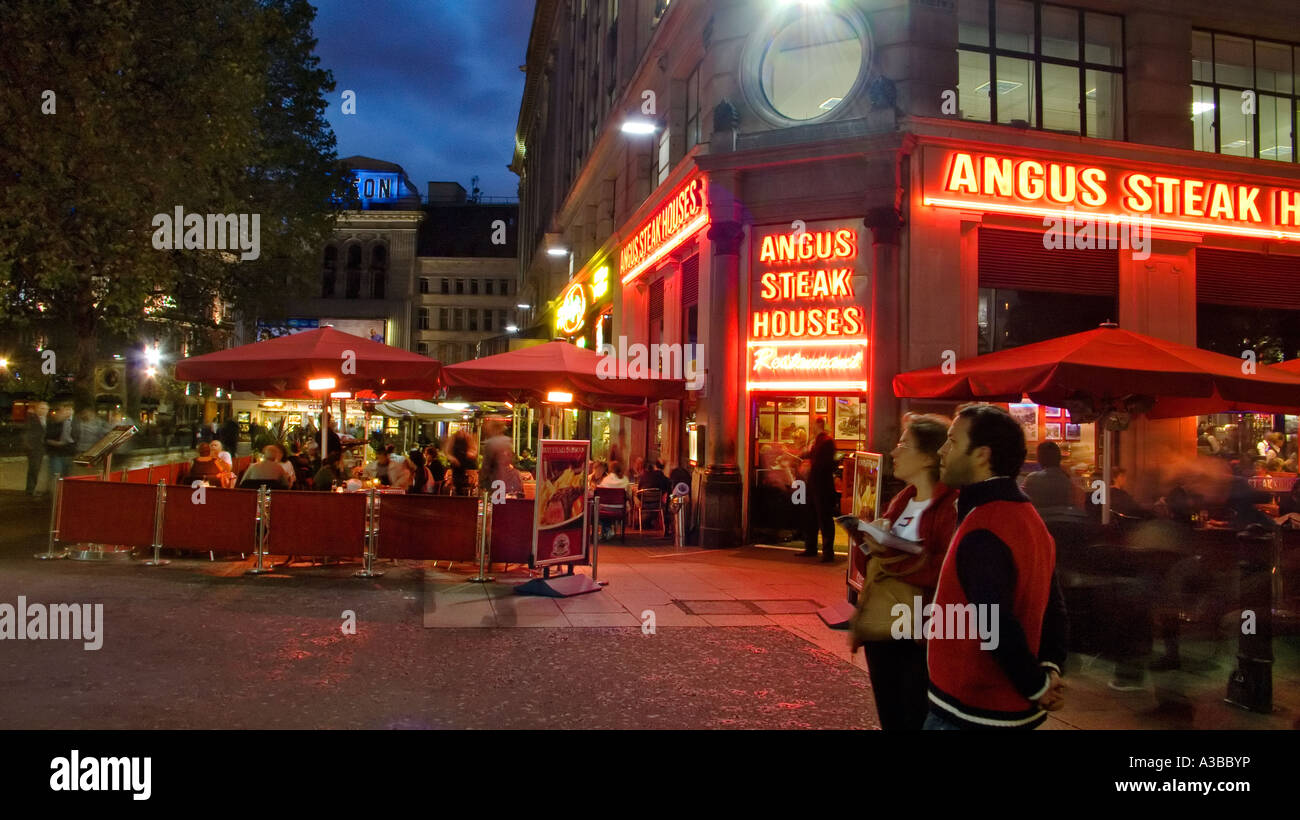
x=33 y=471
x=820 y=519
x=935 y=720
x=899 y=683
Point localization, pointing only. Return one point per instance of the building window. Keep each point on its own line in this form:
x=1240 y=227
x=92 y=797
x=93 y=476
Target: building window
x=443 y=322
x=693 y=109
x=1244 y=96
x=423 y=319
x=458 y=319
x=422 y=348
x=473 y=320
x=1042 y=65
x=460 y=287
x=378 y=271
x=424 y=284
x=329 y=272
x=353 y=272
x=501 y=319
x=487 y=286
x=812 y=62
x=446 y=286
x=473 y=287
x=505 y=287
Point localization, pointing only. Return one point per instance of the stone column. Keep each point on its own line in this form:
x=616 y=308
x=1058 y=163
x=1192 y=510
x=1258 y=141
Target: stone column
x=721 y=524
x=882 y=422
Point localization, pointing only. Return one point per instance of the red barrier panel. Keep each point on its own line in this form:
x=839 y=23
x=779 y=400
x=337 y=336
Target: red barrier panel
x=512 y=531
x=226 y=521
x=139 y=475
x=102 y=512
x=317 y=523
x=428 y=527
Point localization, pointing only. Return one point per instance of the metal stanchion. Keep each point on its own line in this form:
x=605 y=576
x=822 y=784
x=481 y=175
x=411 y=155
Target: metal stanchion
x=372 y=536
x=55 y=504
x=485 y=536
x=160 y=502
x=263 y=519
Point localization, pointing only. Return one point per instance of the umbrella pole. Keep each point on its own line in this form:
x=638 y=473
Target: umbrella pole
x=1108 y=442
x=324 y=420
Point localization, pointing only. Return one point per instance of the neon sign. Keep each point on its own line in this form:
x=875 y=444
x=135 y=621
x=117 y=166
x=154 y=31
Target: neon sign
x=1032 y=187
x=807 y=330
x=680 y=217
x=572 y=312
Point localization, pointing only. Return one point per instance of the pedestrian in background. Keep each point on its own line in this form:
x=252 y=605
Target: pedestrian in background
x=820 y=461
x=34 y=442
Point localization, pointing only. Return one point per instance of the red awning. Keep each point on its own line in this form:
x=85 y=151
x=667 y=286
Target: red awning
x=283 y=366
x=531 y=373
x=1104 y=368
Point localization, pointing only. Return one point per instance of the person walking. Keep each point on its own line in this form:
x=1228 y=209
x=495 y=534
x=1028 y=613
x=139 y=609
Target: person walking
x=59 y=444
x=820 y=459
x=34 y=442
x=1002 y=560
x=925 y=512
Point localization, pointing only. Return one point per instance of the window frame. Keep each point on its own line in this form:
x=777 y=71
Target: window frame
x=1081 y=65
x=1216 y=87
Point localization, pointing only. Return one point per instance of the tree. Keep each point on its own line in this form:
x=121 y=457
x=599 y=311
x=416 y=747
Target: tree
x=121 y=110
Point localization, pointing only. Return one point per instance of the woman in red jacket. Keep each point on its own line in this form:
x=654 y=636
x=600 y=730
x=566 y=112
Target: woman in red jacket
x=925 y=511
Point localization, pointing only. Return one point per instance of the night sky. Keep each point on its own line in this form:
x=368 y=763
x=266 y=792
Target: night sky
x=438 y=84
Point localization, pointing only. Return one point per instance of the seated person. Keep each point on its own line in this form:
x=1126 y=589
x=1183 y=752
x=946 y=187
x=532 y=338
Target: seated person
x=1121 y=501
x=330 y=472
x=386 y=467
x=205 y=467
x=221 y=455
x=1290 y=503
x=680 y=475
x=267 y=470
x=615 y=477
x=1051 y=486
x=654 y=479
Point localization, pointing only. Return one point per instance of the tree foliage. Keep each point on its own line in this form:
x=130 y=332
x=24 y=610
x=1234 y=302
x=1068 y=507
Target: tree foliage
x=216 y=106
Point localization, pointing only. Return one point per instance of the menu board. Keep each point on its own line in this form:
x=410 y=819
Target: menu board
x=866 y=506
x=560 y=507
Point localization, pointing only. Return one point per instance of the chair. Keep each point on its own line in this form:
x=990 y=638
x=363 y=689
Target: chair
x=611 y=502
x=650 y=501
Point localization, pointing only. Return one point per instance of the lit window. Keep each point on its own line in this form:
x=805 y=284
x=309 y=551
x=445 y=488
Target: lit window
x=812 y=63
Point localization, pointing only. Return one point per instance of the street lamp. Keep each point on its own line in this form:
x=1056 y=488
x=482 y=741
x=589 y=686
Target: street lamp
x=638 y=126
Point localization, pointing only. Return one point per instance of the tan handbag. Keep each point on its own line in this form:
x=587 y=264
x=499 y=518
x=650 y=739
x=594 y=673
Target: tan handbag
x=882 y=589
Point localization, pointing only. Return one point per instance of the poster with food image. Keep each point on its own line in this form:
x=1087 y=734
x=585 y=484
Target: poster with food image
x=560 y=505
x=866 y=506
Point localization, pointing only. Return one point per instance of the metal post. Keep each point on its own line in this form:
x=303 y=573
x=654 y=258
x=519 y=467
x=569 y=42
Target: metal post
x=485 y=535
x=263 y=517
x=160 y=502
x=372 y=536
x=55 y=505
x=1108 y=439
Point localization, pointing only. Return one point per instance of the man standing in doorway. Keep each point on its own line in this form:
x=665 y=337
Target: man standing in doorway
x=34 y=442
x=1002 y=561
x=820 y=459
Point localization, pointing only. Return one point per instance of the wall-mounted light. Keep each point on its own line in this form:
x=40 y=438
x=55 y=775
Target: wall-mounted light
x=638 y=127
x=342 y=394
x=512 y=328
x=559 y=397
x=557 y=251
x=317 y=385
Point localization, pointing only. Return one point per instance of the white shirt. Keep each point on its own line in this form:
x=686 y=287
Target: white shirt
x=611 y=480
x=224 y=456
x=908 y=525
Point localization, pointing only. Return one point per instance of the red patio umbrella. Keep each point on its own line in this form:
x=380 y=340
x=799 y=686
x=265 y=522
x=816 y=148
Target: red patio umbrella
x=284 y=366
x=534 y=372
x=1110 y=371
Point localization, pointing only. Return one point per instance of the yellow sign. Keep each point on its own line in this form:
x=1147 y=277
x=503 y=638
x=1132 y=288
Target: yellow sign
x=572 y=312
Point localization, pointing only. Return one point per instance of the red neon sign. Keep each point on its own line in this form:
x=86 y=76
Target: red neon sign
x=807 y=330
x=1017 y=185
x=680 y=217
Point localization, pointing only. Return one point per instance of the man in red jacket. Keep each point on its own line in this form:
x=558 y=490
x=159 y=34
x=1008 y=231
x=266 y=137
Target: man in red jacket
x=1002 y=561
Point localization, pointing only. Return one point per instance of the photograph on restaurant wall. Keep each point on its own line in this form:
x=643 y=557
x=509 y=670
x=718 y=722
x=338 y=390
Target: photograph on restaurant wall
x=1052 y=431
x=789 y=425
x=1027 y=416
x=766 y=427
x=798 y=404
x=560 y=508
x=819 y=404
x=848 y=418
x=1052 y=412
x=867 y=480
x=1073 y=432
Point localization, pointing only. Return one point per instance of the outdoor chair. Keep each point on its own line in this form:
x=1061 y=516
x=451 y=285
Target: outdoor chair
x=650 y=502
x=611 y=502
